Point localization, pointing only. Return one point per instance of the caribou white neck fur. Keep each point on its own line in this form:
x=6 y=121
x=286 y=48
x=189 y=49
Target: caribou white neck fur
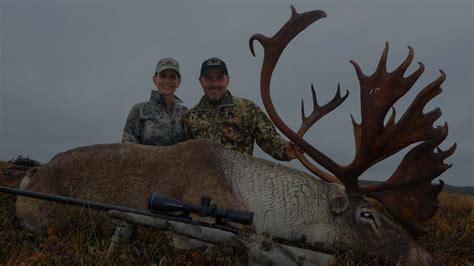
x=288 y=203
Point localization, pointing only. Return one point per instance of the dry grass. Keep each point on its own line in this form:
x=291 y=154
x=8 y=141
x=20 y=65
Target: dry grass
x=450 y=241
x=451 y=237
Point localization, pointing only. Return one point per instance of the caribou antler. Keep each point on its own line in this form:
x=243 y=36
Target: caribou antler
x=308 y=121
x=273 y=47
x=408 y=194
x=411 y=183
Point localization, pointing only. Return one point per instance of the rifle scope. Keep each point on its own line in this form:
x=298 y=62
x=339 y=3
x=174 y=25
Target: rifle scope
x=158 y=202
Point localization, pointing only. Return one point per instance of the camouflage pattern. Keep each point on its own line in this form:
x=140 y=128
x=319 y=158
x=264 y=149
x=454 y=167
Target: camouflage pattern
x=237 y=123
x=150 y=123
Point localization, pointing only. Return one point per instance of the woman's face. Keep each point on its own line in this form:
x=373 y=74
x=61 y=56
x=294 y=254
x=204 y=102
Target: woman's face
x=167 y=81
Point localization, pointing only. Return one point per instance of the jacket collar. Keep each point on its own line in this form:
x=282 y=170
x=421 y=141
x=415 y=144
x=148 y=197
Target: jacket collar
x=158 y=98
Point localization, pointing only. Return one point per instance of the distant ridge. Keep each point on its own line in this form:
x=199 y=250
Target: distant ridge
x=447 y=188
x=459 y=190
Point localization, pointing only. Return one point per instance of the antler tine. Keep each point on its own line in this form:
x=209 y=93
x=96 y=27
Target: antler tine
x=308 y=121
x=320 y=111
x=273 y=47
x=382 y=66
x=404 y=66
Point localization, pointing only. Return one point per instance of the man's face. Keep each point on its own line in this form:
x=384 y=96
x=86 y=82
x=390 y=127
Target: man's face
x=214 y=84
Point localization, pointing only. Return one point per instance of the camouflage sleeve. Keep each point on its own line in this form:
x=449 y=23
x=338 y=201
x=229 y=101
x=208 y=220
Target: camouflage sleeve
x=268 y=138
x=187 y=127
x=133 y=127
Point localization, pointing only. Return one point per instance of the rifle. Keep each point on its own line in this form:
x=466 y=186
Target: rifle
x=161 y=214
x=160 y=206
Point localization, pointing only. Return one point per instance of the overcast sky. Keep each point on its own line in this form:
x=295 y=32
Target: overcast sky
x=71 y=70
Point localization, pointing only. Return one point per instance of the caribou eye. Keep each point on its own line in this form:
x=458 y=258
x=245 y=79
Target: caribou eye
x=367 y=215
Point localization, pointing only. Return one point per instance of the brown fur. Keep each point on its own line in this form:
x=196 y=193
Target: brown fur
x=125 y=174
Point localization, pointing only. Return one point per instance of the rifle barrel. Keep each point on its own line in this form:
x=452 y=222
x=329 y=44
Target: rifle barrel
x=71 y=201
x=108 y=207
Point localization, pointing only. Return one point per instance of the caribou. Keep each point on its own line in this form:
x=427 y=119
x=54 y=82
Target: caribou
x=287 y=203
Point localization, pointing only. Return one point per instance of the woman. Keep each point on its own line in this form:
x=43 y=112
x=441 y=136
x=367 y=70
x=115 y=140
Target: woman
x=160 y=120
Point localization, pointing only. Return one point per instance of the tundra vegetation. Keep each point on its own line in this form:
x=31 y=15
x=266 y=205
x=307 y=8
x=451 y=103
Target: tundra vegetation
x=332 y=213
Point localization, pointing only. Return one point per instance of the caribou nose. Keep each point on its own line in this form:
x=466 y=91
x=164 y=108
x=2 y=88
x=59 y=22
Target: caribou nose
x=418 y=256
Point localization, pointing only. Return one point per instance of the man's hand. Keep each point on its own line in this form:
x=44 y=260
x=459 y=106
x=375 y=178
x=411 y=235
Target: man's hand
x=291 y=149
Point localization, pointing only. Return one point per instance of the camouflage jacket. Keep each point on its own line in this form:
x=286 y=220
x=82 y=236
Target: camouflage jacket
x=236 y=123
x=150 y=123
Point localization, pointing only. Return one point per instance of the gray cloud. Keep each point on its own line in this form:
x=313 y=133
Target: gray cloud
x=70 y=71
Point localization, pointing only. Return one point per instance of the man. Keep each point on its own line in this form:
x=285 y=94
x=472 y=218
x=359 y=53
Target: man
x=235 y=122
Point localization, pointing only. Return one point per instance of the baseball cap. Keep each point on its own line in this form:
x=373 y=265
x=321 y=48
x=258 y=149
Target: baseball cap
x=167 y=63
x=213 y=63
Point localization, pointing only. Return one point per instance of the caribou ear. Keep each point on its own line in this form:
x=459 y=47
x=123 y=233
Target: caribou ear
x=338 y=204
x=338 y=201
